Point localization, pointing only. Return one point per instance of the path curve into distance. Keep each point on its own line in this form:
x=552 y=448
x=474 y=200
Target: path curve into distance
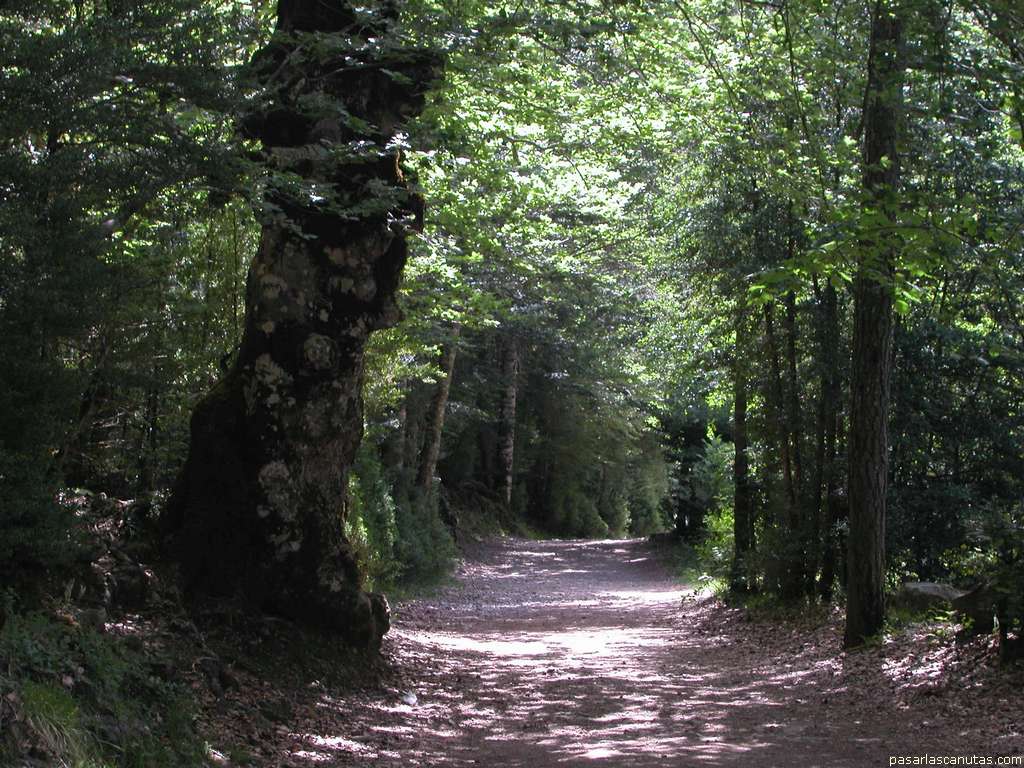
x=566 y=653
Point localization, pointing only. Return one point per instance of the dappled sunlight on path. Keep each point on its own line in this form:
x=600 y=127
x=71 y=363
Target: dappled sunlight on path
x=586 y=653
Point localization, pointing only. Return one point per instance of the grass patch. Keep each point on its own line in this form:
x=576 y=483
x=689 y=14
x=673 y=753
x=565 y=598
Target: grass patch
x=81 y=699
x=52 y=717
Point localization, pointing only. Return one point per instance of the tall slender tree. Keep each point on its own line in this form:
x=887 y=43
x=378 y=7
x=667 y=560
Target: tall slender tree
x=507 y=416
x=873 y=327
x=743 y=502
x=435 y=416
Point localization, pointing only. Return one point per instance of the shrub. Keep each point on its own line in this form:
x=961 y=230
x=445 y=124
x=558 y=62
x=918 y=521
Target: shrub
x=35 y=530
x=424 y=548
x=86 y=700
x=371 y=523
x=712 y=489
x=994 y=554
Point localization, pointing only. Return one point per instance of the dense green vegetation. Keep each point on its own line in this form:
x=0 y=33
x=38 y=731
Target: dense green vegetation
x=751 y=272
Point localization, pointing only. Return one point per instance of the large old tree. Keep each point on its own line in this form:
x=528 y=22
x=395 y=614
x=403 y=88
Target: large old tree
x=259 y=508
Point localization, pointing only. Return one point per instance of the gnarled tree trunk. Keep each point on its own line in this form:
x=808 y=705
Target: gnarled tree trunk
x=259 y=507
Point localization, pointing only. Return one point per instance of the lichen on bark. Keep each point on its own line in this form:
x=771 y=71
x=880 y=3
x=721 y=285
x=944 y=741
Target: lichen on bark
x=259 y=507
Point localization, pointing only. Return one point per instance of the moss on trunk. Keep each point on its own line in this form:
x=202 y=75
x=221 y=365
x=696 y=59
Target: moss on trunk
x=259 y=507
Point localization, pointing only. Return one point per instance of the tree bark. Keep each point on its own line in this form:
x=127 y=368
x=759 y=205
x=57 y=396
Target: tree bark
x=872 y=332
x=825 y=484
x=392 y=452
x=415 y=409
x=799 y=529
x=781 y=433
x=435 y=424
x=743 y=512
x=794 y=420
x=790 y=555
x=149 y=440
x=259 y=508
x=507 y=418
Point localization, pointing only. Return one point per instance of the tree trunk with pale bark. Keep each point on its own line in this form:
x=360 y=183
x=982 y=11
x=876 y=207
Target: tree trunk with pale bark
x=435 y=416
x=507 y=418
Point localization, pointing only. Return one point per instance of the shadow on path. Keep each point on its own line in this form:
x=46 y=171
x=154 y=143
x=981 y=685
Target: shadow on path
x=587 y=653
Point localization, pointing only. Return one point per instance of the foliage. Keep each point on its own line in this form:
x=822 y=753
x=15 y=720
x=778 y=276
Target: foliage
x=712 y=489
x=993 y=553
x=423 y=544
x=115 y=133
x=647 y=484
x=371 y=522
x=86 y=701
x=648 y=203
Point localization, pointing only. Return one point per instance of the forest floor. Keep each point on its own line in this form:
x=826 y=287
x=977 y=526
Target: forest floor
x=591 y=653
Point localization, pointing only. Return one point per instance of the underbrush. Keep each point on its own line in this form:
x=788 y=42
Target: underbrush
x=898 y=617
x=72 y=697
x=769 y=608
x=481 y=515
x=686 y=562
x=401 y=534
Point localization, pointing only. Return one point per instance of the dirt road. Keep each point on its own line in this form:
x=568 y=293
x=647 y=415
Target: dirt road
x=586 y=653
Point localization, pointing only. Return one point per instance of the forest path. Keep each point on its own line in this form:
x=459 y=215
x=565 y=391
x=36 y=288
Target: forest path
x=587 y=653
